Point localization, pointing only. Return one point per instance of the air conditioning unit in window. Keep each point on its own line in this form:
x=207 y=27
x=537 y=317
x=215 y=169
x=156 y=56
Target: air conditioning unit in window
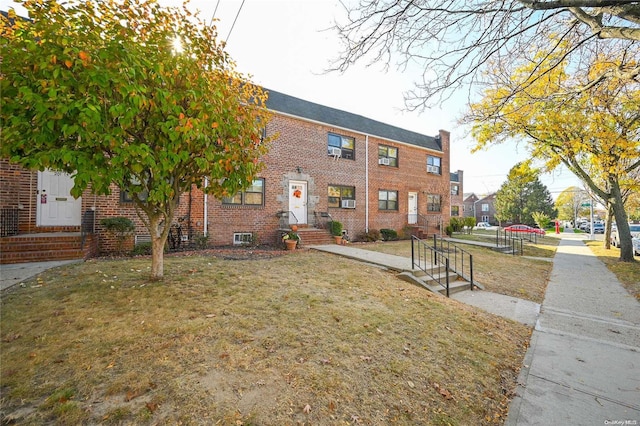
x=433 y=169
x=348 y=204
x=335 y=152
x=383 y=161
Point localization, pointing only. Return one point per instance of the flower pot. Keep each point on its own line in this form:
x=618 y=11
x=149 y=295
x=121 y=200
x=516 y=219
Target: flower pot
x=291 y=244
x=338 y=239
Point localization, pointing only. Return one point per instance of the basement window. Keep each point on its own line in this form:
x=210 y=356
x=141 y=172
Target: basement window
x=242 y=238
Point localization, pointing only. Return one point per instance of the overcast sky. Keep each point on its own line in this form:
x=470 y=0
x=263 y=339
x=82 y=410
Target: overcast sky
x=286 y=45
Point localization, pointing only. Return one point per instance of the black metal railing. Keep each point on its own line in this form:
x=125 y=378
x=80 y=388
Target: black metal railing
x=285 y=219
x=322 y=220
x=460 y=260
x=513 y=240
x=432 y=262
x=9 y=221
x=87 y=226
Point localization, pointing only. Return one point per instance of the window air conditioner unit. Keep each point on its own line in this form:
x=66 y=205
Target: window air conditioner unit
x=383 y=161
x=335 y=152
x=432 y=169
x=348 y=204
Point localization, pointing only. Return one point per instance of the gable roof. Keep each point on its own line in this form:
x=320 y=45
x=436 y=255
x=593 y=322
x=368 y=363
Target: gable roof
x=304 y=109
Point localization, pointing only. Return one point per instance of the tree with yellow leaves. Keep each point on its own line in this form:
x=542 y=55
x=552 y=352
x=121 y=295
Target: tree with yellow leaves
x=593 y=131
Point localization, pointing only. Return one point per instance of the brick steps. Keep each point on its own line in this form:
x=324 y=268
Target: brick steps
x=314 y=236
x=43 y=247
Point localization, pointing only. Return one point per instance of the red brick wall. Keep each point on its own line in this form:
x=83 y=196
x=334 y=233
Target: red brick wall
x=18 y=190
x=301 y=145
x=111 y=206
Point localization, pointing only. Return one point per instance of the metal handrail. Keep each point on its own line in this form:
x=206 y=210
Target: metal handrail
x=284 y=217
x=427 y=259
x=510 y=240
x=87 y=226
x=461 y=260
x=322 y=219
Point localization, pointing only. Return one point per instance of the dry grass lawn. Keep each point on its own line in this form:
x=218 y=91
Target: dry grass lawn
x=296 y=339
x=628 y=273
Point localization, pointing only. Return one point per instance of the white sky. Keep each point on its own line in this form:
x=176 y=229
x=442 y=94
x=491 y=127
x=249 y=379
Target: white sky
x=286 y=45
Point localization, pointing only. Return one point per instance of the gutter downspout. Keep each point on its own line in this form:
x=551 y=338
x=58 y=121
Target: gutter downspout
x=366 y=184
x=205 y=227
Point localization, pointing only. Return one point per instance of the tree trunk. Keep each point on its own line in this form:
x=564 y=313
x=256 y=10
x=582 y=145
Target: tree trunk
x=607 y=225
x=158 y=241
x=624 y=233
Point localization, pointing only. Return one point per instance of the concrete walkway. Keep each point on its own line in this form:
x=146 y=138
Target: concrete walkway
x=583 y=365
x=523 y=311
x=13 y=274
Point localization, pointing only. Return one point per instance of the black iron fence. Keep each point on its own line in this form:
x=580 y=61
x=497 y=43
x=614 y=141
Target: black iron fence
x=9 y=221
x=87 y=226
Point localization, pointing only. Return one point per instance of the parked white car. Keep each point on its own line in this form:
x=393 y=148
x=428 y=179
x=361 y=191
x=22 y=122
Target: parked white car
x=482 y=225
x=635 y=233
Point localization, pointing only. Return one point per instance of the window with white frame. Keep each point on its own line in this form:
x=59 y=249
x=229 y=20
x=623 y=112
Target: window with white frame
x=252 y=196
x=484 y=207
x=434 y=165
x=345 y=144
x=387 y=200
x=387 y=155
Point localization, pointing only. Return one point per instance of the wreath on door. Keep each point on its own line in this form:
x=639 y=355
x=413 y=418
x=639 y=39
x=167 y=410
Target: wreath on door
x=297 y=193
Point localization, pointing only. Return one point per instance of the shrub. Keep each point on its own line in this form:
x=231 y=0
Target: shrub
x=371 y=236
x=389 y=234
x=469 y=223
x=200 y=240
x=336 y=228
x=141 y=249
x=448 y=230
x=456 y=224
x=406 y=233
x=120 y=228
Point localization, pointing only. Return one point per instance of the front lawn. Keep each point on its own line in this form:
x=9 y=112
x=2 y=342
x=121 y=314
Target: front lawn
x=301 y=338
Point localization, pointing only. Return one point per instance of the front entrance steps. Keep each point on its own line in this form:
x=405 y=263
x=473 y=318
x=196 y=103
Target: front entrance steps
x=44 y=247
x=421 y=279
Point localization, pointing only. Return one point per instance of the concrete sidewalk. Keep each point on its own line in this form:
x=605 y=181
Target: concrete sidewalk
x=15 y=273
x=583 y=365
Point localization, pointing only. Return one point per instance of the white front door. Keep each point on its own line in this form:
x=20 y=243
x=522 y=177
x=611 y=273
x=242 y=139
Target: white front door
x=55 y=205
x=298 y=202
x=412 y=209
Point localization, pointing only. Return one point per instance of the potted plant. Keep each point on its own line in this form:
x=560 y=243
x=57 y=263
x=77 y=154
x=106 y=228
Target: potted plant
x=336 y=231
x=291 y=239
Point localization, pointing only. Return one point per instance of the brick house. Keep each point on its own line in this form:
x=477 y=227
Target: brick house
x=326 y=164
x=481 y=207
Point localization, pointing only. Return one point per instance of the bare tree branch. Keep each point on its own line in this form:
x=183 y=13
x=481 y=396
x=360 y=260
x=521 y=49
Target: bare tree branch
x=454 y=40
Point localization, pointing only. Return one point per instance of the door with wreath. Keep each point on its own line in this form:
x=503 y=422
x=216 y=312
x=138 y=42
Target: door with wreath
x=298 y=202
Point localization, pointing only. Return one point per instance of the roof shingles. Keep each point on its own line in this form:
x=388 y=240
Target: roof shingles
x=304 y=109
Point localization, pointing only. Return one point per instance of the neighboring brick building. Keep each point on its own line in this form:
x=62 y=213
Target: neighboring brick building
x=457 y=197
x=325 y=163
x=482 y=208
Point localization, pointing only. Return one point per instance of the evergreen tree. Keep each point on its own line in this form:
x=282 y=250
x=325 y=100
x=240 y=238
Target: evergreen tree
x=521 y=195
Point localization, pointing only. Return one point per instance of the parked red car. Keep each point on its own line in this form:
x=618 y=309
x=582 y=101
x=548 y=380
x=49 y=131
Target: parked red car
x=524 y=228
